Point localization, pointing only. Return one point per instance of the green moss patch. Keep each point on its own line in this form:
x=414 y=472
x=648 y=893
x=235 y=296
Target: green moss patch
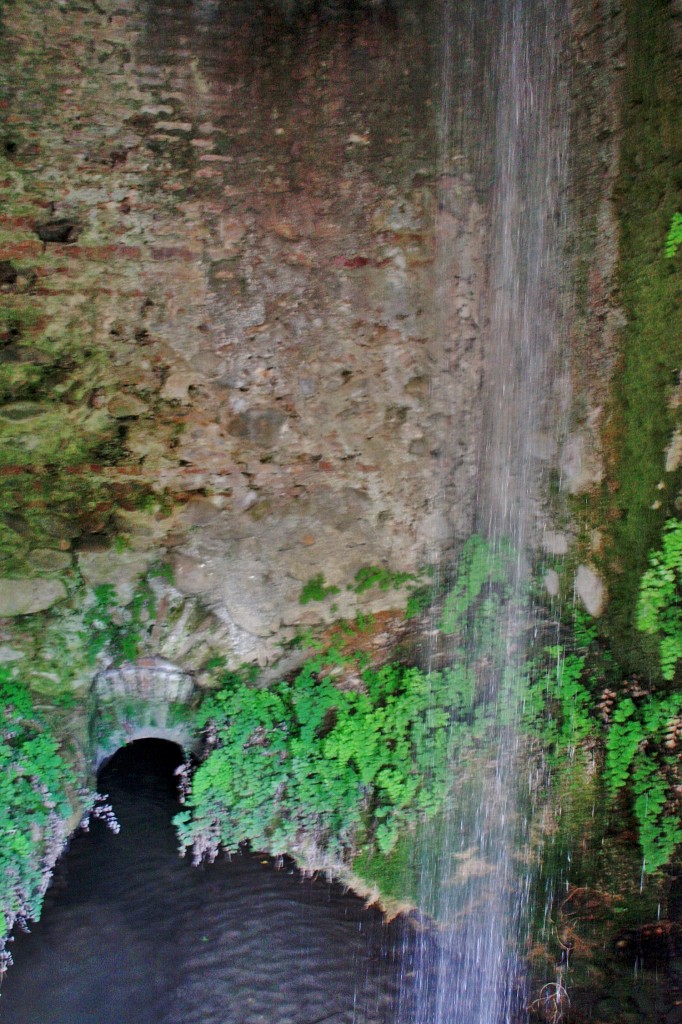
x=639 y=494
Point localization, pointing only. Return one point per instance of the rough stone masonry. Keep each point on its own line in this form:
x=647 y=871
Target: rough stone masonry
x=221 y=338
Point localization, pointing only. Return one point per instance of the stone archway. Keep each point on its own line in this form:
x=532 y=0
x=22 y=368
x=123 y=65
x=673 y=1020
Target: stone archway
x=147 y=699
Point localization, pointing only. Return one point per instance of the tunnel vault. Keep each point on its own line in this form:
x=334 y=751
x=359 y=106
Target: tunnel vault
x=147 y=699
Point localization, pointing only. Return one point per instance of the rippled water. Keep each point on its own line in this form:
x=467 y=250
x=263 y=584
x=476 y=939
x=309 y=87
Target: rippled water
x=132 y=934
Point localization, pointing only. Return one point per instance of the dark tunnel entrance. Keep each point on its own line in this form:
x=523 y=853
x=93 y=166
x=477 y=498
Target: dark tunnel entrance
x=142 y=763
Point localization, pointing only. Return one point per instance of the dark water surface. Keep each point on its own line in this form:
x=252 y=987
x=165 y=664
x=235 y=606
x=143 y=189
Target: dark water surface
x=132 y=934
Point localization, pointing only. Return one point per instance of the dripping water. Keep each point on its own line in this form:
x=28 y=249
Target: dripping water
x=505 y=113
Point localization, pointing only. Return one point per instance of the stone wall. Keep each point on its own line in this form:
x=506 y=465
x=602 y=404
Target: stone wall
x=243 y=304
x=222 y=341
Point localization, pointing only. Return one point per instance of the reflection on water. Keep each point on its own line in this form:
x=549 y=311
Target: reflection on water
x=131 y=933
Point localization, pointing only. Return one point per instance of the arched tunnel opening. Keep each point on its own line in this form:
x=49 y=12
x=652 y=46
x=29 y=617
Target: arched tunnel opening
x=150 y=699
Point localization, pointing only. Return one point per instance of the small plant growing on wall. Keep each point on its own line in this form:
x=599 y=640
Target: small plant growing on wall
x=120 y=631
x=316 y=590
x=674 y=237
x=381 y=577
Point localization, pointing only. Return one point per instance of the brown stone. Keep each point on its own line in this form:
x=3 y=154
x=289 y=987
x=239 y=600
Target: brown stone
x=126 y=406
x=28 y=596
x=258 y=426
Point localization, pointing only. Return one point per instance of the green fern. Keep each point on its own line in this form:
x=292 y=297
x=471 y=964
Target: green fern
x=480 y=566
x=307 y=759
x=659 y=833
x=674 y=237
x=34 y=805
x=378 y=576
x=622 y=740
x=659 y=611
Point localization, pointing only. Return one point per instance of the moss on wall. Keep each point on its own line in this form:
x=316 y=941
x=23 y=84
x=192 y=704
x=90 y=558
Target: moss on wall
x=638 y=494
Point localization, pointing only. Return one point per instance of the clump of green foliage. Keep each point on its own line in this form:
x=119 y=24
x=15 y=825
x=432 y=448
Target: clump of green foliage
x=480 y=567
x=35 y=782
x=368 y=577
x=636 y=754
x=659 y=610
x=304 y=759
x=420 y=600
x=559 y=704
x=423 y=594
x=121 y=631
x=581 y=702
x=315 y=589
x=161 y=571
x=641 y=734
x=379 y=576
x=352 y=770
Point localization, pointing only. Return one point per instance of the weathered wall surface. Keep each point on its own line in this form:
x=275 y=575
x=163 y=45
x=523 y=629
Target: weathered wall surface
x=599 y=52
x=221 y=336
x=620 y=467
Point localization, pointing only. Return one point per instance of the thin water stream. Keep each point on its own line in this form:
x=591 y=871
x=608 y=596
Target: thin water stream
x=505 y=115
x=132 y=934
